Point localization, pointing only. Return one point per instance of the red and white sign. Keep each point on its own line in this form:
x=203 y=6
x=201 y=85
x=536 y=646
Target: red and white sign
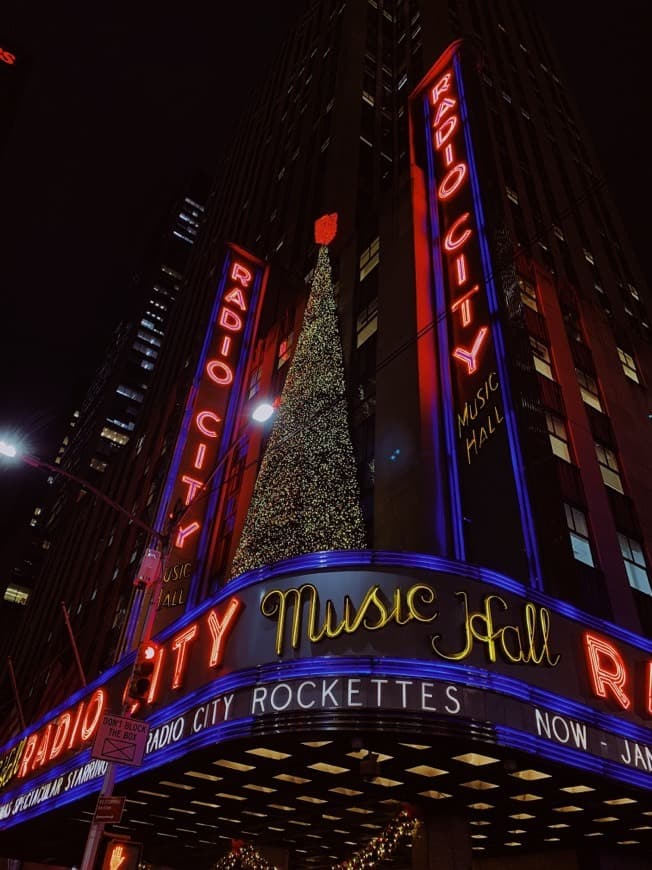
x=121 y=740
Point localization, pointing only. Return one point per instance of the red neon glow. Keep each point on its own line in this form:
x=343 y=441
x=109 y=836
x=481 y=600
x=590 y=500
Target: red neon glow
x=453 y=241
x=193 y=487
x=448 y=155
x=157 y=653
x=607 y=669
x=186 y=532
x=241 y=273
x=441 y=87
x=96 y=704
x=648 y=699
x=446 y=106
x=470 y=357
x=464 y=304
x=75 y=727
x=7 y=56
x=225 y=347
x=219 y=372
x=460 y=266
x=201 y=425
x=200 y=455
x=60 y=735
x=451 y=181
x=42 y=752
x=180 y=645
x=235 y=297
x=230 y=320
x=443 y=133
x=30 y=746
x=221 y=630
x=326 y=229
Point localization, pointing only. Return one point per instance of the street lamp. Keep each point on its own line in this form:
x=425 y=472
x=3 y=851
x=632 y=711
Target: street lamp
x=150 y=574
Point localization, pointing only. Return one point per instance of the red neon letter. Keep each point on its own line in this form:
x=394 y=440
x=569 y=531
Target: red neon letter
x=219 y=372
x=193 y=487
x=464 y=303
x=236 y=297
x=230 y=320
x=442 y=85
x=30 y=746
x=649 y=688
x=98 y=700
x=443 y=133
x=182 y=534
x=451 y=243
x=221 y=630
x=179 y=645
x=73 y=735
x=60 y=735
x=199 y=456
x=607 y=669
x=460 y=265
x=203 y=428
x=42 y=752
x=444 y=108
x=225 y=347
x=470 y=357
x=452 y=181
x=241 y=274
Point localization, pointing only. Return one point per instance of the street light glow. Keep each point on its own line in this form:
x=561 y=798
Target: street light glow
x=7 y=449
x=263 y=412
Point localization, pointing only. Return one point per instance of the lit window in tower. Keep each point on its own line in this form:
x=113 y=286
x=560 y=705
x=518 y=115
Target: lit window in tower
x=541 y=358
x=370 y=258
x=589 y=390
x=635 y=564
x=578 y=532
x=629 y=365
x=609 y=468
x=558 y=436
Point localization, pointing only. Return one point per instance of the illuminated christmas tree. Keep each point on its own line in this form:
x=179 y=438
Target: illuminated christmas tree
x=306 y=495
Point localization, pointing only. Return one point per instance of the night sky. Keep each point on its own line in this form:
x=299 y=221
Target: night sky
x=122 y=102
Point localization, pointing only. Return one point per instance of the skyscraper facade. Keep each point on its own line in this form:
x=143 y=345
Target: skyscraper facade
x=484 y=659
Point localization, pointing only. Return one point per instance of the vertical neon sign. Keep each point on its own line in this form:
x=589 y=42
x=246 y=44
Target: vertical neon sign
x=490 y=515
x=207 y=427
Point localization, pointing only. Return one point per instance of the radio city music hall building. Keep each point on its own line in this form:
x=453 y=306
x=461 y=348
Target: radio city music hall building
x=475 y=621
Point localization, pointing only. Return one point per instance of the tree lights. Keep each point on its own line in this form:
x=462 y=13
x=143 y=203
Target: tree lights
x=306 y=495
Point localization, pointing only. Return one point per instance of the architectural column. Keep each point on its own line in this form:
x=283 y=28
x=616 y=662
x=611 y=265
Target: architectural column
x=443 y=843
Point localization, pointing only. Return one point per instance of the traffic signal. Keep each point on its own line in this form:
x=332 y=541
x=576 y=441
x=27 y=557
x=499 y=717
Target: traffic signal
x=144 y=672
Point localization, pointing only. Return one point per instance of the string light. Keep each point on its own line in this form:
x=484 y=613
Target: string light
x=306 y=497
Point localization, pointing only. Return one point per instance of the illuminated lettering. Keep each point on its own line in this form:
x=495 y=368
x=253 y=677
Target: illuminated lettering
x=607 y=670
x=219 y=372
x=453 y=241
x=60 y=735
x=186 y=532
x=241 y=273
x=180 y=645
x=236 y=297
x=464 y=304
x=220 y=630
x=648 y=697
x=225 y=346
x=200 y=455
x=441 y=87
x=528 y=643
x=43 y=747
x=445 y=131
x=30 y=748
x=460 y=266
x=452 y=181
x=200 y=419
x=470 y=357
x=96 y=704
x=447 y=105
x=193 y=487
x=230 y=320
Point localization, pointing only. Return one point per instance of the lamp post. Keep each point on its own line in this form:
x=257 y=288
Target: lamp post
x=150 y=573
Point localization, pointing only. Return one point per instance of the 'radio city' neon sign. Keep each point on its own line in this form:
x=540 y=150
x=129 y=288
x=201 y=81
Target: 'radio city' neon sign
x=448 y=151
x=611 y=679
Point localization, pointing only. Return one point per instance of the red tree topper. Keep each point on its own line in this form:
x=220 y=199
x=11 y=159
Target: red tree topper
x=326 y=229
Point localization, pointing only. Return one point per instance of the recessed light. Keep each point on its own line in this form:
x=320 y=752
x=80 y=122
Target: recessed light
x=479 y=784
x=172 y=836
x=286 y=777
x=269 y=753
x=260 y=815
x=253 y=787
x=384 y=781
x=480 y=806
x=628 y=842
x=311 y=800
x=642 y=828
x=347 y=792
x=360 y=810
x=513 y=843
x=516 y=831
x=270 y=828
x=475 y=759
x=298 y=822
x=479 y=837
x=568 y=809
x=426 y=770
x=182 y=810
x=329 y=768
x=595 y=834
x=281 y=807
x=419 y=746
x=205 y=804
x=530 y=774
x=435 y=795
x=316 y=744
x=577 y=789
x=521 y=817
x=180 y=785
x=234 y=765
x=479 y=822
x=141 y=822
x=551 y=840
x=559 y=825
x=606 y=819
x=526 y=797
x=359 y=754
x=331 y=818
x=230 y=797
x=617 y=802
x=152 y=793
x=197 y=774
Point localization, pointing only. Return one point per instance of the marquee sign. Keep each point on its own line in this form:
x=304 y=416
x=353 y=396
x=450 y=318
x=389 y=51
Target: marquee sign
x=482 y=448
x=208 y=425
x=378 y=634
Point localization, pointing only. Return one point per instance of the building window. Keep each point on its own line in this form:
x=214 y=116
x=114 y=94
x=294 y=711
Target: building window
x=578 y=532
x=98 y=464
x=589 y=390
x=609 y=468
x=370 y=258
x=16 y=594
x=254 y=381
x=629 y=365
x=635 y=564
x=558 y=436
x=115 y=437
x=123 y=390
x=528 y=294
x=285 y=349
x=367 y=323
x=541 y=358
